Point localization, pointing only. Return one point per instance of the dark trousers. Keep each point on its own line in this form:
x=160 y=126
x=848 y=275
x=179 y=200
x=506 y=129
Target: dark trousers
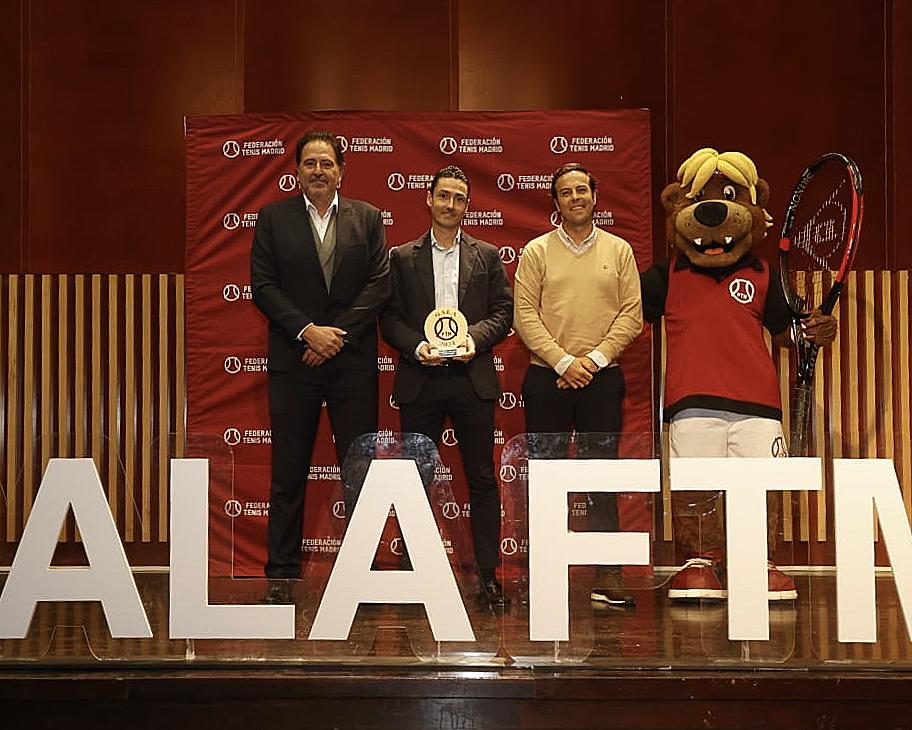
x=594 y=412
x=349 y=387
x=448 y=392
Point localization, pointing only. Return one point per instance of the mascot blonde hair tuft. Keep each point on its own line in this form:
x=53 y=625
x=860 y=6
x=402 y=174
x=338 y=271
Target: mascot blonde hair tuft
x=697 y=170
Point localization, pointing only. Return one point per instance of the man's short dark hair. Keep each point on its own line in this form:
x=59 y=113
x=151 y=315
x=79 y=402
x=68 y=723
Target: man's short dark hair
x=571 y=167
x=453 y=172
x=316 y=135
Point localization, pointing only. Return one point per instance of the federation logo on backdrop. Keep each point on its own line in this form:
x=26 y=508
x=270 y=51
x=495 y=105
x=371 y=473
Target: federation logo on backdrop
x=395 y=181
x=451 y=510
x=534 y=182
x=288 y=182
x=377 y=144
x=234 y=365
x=507 y=254
x=449 y=437
x=555 y=218
x=231 y=148
x=233 y=508
x=448 y=145
x=472 y=145
x=413 y=181
x=232 y=292
x=507 y=473
x=339 y=509
x=509 y=546
x=249 y=436
x=482 y=218
x=232 y=220
x=508 y=401
x=343 y=142
x=602 y=143
x=506 y=182
x=325 y=472
x=603 y=218
x=558 y=145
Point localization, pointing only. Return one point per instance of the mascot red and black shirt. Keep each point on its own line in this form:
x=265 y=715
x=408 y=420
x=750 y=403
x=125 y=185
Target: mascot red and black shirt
x=716 y=356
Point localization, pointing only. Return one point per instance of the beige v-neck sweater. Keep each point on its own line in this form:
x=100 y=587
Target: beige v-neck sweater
x=572 y=304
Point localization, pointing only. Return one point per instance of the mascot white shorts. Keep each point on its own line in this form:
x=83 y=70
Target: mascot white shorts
x=709 y=433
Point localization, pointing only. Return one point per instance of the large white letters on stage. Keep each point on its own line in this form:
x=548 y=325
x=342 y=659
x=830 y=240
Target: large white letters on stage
x=553 y=547
x=190 y=615
x=745 y=483
x=392 y=483
x=860 y=485
x=71 y=483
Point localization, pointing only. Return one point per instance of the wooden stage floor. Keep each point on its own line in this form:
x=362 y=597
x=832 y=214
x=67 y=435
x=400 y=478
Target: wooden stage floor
x=657 y=666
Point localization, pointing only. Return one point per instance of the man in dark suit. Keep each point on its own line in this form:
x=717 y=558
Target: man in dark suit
x=320 y=274
x=448 y=268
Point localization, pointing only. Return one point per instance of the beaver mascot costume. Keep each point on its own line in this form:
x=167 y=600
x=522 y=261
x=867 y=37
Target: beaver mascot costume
x=721 y=388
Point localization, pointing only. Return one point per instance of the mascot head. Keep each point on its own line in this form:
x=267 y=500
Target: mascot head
x=716 y=209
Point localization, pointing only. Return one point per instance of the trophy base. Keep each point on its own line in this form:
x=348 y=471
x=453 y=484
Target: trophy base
x=450 y=351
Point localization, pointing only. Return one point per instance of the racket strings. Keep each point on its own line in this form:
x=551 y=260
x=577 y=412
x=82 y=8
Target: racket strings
x=820 y=229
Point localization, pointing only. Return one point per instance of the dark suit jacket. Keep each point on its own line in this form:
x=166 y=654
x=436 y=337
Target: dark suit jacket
x=288 y=284
x=485 y=299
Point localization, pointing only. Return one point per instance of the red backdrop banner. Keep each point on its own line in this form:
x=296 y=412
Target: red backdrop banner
x=237 y=164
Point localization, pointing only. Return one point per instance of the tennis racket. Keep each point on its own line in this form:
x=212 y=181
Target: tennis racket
x=816 y=250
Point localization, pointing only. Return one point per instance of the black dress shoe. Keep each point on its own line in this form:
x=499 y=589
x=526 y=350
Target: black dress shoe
x=494 y=592
x=279 y=592
x=612 y=597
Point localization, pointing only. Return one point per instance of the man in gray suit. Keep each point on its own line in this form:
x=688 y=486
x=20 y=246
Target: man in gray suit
x=320 y=274
x=446 y=267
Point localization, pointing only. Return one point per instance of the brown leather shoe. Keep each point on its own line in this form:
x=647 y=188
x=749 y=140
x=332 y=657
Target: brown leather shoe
x=494 y=592
x=613 y=597
x=279 y=592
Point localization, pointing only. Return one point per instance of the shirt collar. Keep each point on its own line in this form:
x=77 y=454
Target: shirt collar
x=333 y=206
x=562 y=234
x=746 y=261
x=456 y=241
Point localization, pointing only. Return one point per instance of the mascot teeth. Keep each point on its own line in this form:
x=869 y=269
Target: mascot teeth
x=728 y=239
x=698 y=242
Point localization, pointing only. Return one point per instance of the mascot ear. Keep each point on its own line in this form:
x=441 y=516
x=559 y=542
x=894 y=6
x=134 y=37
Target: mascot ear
x=672 y=196
x=763 y=193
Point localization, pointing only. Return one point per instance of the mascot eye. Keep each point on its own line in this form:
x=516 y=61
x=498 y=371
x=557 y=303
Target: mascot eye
x=729 y=192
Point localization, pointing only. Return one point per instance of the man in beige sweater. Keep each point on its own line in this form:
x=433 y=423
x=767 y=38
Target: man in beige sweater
x=577 y=306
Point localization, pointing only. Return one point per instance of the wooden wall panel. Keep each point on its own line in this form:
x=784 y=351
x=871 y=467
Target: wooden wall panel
x=12 y=138
x=350 y=55
x=92 y=366
x=109 y=85
x=546 y=55
x=785 y=81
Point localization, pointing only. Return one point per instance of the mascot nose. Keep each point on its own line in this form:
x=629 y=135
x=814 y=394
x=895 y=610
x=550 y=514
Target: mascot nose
x=711 y=213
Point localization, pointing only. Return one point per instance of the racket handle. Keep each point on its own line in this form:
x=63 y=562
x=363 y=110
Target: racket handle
x=802 y=397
